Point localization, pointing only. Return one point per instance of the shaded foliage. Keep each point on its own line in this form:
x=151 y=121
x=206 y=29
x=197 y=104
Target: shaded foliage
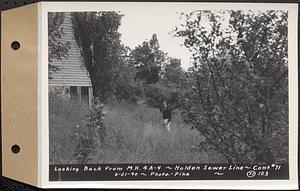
x=57 y=49
x=173 y=72
x=169 y=87
x=148 y=60
x=93 y=135
x=155 y=94
x=98 y=38
x=125 y=87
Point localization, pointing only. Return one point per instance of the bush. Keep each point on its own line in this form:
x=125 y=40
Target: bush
x=238 y=95
x=156 y=93
x=94 y=134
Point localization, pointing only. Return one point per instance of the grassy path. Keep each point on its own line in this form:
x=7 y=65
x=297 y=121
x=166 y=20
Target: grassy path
x=135 y=134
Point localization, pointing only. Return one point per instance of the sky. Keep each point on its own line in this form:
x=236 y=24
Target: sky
x=139 y=25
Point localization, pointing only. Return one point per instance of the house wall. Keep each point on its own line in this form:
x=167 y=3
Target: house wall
x=72 y=71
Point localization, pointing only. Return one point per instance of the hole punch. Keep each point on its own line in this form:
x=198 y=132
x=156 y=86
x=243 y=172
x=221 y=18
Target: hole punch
x=15 y=149
x=15 y=45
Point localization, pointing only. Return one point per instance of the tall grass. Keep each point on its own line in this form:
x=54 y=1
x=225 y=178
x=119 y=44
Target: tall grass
x=64 y=116
x=135 y=134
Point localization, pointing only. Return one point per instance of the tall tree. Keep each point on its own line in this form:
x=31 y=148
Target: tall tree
x=173 y=72
x=124 y=84
x=98 y=38
x=148 y=59
x=238 y=96
x=57 y=49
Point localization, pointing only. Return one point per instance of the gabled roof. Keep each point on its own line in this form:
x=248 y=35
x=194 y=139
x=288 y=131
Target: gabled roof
x=72 y=71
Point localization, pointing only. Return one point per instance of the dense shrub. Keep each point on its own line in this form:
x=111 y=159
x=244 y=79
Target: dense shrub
x=93 y=135
x=237 y=95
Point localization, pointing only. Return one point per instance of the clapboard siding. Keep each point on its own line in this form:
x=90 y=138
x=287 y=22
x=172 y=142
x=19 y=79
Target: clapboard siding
x=71 y=70
x=54 y=83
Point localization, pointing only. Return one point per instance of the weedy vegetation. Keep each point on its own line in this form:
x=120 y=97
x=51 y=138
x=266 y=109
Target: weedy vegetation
x=134 y=134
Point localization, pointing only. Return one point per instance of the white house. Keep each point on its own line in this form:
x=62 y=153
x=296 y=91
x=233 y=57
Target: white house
x=72 y=76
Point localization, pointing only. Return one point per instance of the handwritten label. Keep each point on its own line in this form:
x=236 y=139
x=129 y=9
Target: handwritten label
x=167 y=172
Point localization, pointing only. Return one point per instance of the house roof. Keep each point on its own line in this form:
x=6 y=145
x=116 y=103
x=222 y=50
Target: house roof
x=71 y=69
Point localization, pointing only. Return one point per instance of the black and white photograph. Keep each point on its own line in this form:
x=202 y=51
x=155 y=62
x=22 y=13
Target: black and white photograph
x=191 y=91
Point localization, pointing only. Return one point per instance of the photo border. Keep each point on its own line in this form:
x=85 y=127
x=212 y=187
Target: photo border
x=43 y=125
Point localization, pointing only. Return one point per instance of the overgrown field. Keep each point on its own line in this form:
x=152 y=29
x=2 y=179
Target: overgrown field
x=134 y=134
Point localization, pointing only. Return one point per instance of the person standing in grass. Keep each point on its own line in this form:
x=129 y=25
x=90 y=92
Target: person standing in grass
x=166 y=111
